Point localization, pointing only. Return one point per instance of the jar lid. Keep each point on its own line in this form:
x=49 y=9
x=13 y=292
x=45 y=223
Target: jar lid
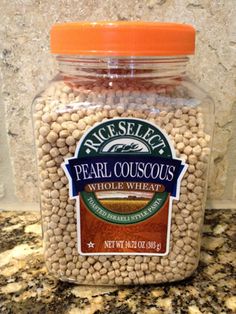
x=122 y=39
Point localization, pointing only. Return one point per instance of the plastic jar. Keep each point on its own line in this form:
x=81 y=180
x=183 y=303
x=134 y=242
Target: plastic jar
x=123 y=141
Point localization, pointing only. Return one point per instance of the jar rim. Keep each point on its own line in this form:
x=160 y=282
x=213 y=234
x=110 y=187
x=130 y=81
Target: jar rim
x=123 y=39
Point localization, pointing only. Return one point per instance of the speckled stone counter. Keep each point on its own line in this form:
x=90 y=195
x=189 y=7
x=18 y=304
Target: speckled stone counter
x=25 y=286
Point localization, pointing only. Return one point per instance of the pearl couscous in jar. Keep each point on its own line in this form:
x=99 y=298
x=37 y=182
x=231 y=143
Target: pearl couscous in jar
x=123 y=141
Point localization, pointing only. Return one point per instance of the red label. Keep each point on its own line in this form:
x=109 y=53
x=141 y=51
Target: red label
x=99 y=236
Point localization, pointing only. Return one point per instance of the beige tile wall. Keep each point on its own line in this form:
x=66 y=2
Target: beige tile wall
x=26 y=65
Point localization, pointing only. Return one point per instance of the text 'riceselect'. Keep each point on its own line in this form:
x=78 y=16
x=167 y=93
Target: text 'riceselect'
x=125 y=128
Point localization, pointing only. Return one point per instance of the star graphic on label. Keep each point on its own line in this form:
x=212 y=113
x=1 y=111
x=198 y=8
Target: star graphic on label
x=90 y=245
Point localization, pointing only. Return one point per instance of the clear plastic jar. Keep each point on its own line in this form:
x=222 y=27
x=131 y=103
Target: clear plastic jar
x=123 y=141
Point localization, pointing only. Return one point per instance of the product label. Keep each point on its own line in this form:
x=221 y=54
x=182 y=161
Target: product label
x=124 y=176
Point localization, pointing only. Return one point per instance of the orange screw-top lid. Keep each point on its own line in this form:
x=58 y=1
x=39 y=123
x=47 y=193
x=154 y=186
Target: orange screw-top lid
x=123 y=39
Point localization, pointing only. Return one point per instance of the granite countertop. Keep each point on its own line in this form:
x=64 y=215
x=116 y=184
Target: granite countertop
x=25 y=286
